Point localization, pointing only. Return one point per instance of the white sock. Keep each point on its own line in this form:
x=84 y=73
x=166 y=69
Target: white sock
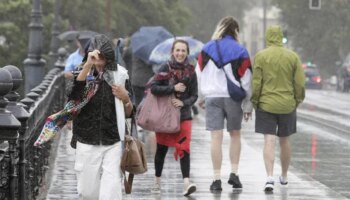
x=270 y=179
x=283 y=179
x=234 y=168
x=157 y=180
x=217 y=175
x=186 y=182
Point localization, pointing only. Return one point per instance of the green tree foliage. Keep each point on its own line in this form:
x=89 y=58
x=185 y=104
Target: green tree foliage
x=207 y=13
x=321 y=36
x=120 y=18
x=116 y=18
x=13 y=31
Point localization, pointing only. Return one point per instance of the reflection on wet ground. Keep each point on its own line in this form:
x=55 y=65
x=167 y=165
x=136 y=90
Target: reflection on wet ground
x=252 y=171
x=322 y=154
x=319 y=165
x=324 y=157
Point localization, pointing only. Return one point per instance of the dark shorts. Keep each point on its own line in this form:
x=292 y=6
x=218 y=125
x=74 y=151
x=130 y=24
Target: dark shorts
x=281 y=125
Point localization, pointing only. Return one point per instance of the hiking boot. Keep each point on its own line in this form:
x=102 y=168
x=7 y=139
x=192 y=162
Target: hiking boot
x=283 y=181
x=234 y=181
x=155 y=189
x=269 y=186
x=190 y=189
x=216 y=186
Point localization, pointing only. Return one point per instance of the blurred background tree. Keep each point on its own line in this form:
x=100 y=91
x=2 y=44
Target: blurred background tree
x=117 y=18
x=207 y=13
x=14 y=20
x=320 y=36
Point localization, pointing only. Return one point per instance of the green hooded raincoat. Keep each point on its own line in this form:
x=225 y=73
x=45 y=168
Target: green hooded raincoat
x=278 y=77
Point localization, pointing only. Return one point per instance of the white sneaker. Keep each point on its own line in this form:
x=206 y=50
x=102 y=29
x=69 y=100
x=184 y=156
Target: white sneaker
x=283 y=181
x=190 y=189
x=269 y=186
x=155 y=189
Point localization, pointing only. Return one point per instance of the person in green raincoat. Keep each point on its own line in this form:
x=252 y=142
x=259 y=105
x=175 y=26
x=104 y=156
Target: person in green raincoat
x=278 y=88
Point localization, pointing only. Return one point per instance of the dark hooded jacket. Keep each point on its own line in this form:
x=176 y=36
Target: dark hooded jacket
x=96 y=123
x=164 y=84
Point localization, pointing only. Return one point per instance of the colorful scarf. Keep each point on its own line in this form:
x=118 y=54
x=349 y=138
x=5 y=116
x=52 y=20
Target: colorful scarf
x=54 y=123
x=178 y=72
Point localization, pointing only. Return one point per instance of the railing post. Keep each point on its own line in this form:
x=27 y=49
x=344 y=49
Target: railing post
x=22 y=115
x=9 y=126
x=34 y=64
x=61 y=61
x=54 y=33
x=28 y=103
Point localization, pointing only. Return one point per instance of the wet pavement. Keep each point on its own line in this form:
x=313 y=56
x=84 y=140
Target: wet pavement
x=319 y=169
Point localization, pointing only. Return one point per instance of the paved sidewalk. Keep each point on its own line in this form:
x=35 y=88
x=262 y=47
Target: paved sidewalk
x=251 y=171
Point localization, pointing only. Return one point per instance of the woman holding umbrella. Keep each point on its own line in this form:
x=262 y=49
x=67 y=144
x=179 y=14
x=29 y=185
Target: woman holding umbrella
x=177 y=77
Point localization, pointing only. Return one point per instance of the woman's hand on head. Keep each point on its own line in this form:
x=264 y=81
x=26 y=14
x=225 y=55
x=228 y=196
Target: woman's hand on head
x=121 y=93
x=95 y=58
x=180 y=87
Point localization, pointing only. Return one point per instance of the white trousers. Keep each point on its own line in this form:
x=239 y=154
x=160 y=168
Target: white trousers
x=98 y=171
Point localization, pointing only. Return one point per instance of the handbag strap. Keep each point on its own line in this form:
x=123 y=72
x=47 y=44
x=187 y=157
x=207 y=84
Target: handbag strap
x=128 y=181
x=133 y=125
x=219 y=53
x=133 y=128
x=220 y=59
x=220 y=56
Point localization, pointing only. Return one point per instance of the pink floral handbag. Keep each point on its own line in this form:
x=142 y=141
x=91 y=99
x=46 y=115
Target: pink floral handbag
x=157 y=113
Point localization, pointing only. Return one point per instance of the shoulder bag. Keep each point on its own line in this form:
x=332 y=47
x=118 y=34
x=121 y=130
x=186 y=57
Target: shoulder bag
x=133 y=158
x=237 y=93
x=157 y=113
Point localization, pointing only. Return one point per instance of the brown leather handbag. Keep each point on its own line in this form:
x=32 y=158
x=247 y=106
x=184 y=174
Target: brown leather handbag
x=133 y=159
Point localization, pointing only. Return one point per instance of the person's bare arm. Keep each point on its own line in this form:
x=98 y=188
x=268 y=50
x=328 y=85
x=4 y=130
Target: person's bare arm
x=68 y=75
x=93 y=57
x=121 y=93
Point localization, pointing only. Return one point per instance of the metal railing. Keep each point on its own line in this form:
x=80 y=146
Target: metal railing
x=23 y=166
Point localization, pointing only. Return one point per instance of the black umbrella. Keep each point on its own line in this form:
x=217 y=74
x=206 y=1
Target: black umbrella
x=68 y=35
x=87 y=34
x=72 y=35
x=146 y=38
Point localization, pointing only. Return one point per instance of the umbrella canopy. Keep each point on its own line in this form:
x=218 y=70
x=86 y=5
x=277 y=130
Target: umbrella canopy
x=162 y=52
x=72 y=35
x=68 y=35
x=144 y=40
x=87 y=34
